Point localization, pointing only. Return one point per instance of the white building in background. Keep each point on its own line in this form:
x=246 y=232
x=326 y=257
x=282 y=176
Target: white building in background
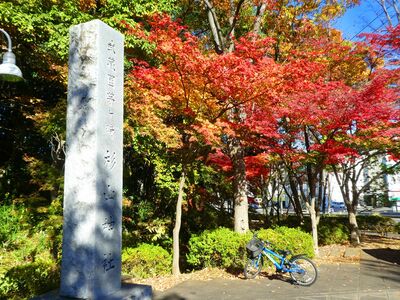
x=387 y=186
x=334 y=193
x=384 y=188
x=393 y=182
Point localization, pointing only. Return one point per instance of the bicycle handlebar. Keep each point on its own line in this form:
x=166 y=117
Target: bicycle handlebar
x=269 y=244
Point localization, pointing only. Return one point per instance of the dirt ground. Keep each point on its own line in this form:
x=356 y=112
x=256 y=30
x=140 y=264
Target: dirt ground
x=327 y=254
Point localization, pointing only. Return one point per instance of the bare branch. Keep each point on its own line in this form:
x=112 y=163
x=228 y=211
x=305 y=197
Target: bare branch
x=383 y=5
x=397 y=11
x=377 y=175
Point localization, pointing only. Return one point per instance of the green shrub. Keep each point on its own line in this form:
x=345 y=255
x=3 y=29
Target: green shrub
x=10 y=225
x=335 y=228
x=333 y=233
x=397 y=228
x=146 y=261
x=293 y=239
x=218 y=248
x=28 y=280
x=227 y=249
x=376 y=223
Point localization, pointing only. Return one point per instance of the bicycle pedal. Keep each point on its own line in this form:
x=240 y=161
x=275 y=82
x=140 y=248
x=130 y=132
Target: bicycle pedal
x=284 y=270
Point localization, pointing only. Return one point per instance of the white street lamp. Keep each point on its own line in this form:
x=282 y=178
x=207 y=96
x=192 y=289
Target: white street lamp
x=8 y=69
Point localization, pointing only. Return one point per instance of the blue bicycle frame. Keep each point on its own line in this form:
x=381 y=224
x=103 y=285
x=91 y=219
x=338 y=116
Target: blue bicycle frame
x=293 y=268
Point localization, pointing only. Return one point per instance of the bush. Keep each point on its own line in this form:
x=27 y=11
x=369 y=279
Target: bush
x=293 y=239
x=335 y=229
x=397 y=227
x=28 y=280
x=146 y=261
x=10 y=225
x=376 y=223
x=333 y=233
x=227 y=249
x=218 y=248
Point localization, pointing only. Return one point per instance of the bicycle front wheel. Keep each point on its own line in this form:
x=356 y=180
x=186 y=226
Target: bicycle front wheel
x=303 y=270
x=253 y=267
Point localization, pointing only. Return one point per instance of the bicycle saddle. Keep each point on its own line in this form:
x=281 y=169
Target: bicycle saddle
x=284 y=252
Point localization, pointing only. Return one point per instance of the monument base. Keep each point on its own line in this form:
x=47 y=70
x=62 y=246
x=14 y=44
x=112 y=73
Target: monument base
x=128 y=291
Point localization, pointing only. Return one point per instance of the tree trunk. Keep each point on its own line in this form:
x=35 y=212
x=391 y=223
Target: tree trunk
x=314 y=227
x=259 y=14
x=177 y=228
x=278 y=212
x=354 y=231
x=294 y=198
x=348 y=182
x=241 y=215
x=267 y=221
x=352 y=211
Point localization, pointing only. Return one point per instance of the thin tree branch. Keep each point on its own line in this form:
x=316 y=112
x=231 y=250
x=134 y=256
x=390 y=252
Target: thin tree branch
x=377 y=175
x=397 y=11
x=233 y=20
x=383 y=5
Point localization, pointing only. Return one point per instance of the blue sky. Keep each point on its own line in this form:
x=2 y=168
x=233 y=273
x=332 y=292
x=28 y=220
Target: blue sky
x=366 y=17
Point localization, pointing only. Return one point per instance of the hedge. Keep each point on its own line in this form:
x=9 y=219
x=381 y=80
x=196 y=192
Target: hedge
x=146 y=261
x=226 y=249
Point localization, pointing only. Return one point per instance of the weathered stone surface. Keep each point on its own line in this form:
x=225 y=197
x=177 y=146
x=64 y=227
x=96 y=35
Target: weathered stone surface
x=126 y=292
x=91 y=262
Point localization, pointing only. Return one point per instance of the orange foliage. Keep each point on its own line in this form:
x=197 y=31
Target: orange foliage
x=268 y=105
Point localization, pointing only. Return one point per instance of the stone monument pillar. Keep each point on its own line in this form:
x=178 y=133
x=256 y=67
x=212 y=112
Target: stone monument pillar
x=91 y=249
x=91 y=255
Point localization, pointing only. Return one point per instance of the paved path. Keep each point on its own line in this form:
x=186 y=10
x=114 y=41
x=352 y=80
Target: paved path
x=376 y=277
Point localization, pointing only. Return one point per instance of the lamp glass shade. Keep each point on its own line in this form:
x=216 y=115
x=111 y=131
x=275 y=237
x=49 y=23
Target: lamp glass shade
x=8 y=70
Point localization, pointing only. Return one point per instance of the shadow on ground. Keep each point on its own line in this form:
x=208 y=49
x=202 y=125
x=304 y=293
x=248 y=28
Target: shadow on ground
x=388 y=255
x=173 y=297
x=274 y=276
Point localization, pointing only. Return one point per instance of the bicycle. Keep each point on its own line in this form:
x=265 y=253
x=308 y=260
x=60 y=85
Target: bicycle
x=302 y=270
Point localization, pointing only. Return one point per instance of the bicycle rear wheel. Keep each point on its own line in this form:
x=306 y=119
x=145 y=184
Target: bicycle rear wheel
x=303 y=270
x=253 y=267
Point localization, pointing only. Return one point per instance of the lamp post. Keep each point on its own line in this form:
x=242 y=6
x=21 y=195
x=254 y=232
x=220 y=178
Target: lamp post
x=8 y=69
